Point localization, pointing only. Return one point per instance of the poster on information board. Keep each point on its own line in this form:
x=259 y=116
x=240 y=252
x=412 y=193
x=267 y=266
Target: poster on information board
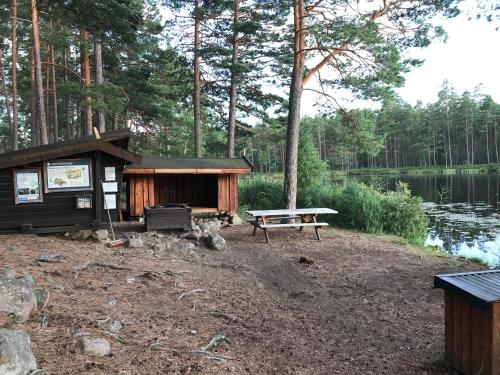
x=27 y=186
x=68 y=175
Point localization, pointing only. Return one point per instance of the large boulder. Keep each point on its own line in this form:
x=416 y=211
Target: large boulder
x=235 y=219
x=16 y=357
x=210 y=227
x=17 y=297
x=215 y=242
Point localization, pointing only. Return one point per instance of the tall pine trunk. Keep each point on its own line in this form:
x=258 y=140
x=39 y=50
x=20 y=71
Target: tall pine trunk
x=197 y=83
x=99 y=79
x=4 y=90
x=67 y=104
x=35 y=126
x=233 y=95
x=487 y=131
x=42 y=119
x=293 y=124
x=84 y=38
x=55 y=117
x=15 y=127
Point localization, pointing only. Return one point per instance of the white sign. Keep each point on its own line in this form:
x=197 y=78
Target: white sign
x=70 y=175
x=110 y=201
x=109 y=173
x=27 y=186
x=110 y=187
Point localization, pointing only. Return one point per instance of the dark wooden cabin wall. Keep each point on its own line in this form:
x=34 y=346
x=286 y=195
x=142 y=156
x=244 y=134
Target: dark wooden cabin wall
x=57 y=208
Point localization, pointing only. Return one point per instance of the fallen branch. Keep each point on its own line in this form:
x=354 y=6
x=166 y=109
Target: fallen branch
x=216 y=340
x=89 y=264
x=217 y=357
x=189 y=292
x=220 y=314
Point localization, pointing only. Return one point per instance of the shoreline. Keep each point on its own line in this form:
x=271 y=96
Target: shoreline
x=415 y=171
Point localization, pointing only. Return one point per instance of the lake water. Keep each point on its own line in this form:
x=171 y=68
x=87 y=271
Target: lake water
x=463 y=211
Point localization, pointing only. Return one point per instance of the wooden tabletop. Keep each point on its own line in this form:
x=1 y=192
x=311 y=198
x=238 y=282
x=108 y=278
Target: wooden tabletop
x=294 y=211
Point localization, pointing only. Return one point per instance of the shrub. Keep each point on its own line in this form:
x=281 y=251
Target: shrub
x=260 y=192
x=360 y=206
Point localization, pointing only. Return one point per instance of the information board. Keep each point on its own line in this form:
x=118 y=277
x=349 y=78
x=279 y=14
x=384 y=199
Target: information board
x=68 y=175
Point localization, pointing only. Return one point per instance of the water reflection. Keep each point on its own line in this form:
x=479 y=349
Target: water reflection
x=463 y=211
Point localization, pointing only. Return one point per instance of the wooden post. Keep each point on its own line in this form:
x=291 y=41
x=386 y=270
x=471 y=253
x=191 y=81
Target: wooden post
x=98 y=187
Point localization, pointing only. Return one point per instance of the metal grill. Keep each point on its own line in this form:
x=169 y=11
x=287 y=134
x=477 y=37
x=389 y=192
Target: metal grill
x=481 y=286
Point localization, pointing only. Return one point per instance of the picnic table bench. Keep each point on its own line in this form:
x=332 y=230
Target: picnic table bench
x=265 y=219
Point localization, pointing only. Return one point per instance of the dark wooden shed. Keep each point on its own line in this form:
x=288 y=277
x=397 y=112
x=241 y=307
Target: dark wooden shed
x=472 y=321
x=57 y=187
x=207 y=185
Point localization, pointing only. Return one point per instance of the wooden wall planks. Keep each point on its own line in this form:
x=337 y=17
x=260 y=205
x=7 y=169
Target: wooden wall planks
x=472 y=335
x=201 y=190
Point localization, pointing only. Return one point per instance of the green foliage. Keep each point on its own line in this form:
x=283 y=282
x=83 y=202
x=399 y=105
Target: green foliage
x=260 y=192
x=360 y=206
x=403 y=214
x=310 y=167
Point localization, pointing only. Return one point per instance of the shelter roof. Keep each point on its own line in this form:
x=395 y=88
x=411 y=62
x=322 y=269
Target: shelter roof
x=158 y=165
x=113 y=143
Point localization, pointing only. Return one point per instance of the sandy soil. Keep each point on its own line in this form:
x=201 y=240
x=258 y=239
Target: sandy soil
x=365 y=306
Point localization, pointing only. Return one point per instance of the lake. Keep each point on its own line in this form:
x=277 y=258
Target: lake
x=463 y=211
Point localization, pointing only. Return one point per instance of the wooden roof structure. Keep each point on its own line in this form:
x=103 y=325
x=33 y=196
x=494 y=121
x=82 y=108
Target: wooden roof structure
x=158 y=165
x=113 y=143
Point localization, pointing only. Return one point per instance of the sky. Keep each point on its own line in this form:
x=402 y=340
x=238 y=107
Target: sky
x=469 y=57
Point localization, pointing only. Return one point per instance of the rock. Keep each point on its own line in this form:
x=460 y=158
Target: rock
x=48 y=258
x=16 y=357
x=101 y=234
x=195 y=234
x=115 y=327
x=210 y=227
x=236 y=220
x=7 y=272
x=17 y=296
x=81 y=234
x=306 y=260
x=135 y=243
x=215 y=242
x=95 y=346
x=159 y=248
x=42 y=296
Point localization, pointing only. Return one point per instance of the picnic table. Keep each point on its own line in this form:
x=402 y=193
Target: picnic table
x=265 y=219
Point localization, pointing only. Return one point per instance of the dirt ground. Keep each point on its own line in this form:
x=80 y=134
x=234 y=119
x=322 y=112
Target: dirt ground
x=365 y=306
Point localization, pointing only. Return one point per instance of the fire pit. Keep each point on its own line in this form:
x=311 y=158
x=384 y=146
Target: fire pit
x=472 y=321
x=169 y=216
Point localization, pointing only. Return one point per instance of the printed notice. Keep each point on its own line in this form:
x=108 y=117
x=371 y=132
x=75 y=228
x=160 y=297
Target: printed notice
x=110 y=187
x=110 y=173
x=110 y=201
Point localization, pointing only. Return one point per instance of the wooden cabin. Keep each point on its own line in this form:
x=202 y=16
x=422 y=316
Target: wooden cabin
x=207 y=185
x=57 y=187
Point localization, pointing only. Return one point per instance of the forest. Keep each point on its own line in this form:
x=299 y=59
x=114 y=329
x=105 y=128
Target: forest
x=225 y=78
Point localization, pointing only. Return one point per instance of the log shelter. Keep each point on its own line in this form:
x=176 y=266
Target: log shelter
x=472 y=321
x=207 y=185
x=58 y=187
